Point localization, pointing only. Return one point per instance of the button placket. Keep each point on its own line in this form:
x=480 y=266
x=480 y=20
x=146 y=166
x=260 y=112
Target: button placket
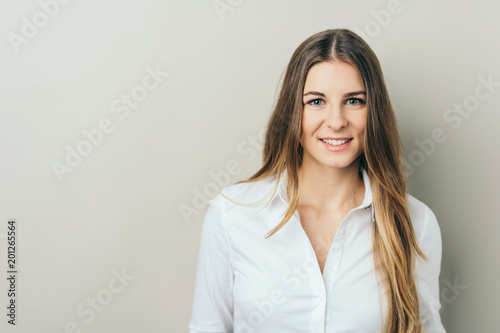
x=317 y=288
x=336 y=252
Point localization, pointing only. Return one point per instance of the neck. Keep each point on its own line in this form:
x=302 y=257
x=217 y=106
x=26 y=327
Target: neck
x=330 y=188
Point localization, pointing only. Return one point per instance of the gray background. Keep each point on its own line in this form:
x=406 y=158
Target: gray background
x=120 y=208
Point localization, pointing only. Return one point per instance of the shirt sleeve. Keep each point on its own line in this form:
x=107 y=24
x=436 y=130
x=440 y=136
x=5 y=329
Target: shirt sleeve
x=213 y=295
x=428 y=275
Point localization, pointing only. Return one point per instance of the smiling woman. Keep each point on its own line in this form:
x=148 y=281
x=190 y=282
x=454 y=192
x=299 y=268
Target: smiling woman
x=324 y=237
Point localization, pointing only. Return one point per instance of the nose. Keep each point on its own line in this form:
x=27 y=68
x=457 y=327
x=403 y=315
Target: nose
x=335 y=118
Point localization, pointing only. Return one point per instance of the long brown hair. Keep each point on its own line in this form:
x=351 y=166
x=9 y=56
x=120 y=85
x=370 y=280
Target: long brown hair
x=395 y=245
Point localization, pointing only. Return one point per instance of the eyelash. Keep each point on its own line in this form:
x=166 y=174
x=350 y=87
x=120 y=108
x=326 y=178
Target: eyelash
x=359 y=101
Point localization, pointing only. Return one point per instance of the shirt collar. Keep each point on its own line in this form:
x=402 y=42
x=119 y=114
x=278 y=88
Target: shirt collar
x=281 y=191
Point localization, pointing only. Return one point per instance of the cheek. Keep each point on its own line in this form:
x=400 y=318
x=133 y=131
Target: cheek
x=360 y=124
x=305 y=127
x=309 y=124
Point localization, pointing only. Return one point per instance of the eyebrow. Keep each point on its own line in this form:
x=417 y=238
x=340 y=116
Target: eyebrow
x=350 y=94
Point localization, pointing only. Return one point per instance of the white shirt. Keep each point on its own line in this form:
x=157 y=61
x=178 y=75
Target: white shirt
x=248 y=284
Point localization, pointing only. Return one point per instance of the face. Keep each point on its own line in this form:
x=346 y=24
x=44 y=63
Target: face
x=334 y=115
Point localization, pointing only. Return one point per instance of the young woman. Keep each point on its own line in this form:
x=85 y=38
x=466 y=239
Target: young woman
x=324 y=237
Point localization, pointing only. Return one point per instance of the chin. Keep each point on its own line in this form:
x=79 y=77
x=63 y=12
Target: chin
x=341 y=163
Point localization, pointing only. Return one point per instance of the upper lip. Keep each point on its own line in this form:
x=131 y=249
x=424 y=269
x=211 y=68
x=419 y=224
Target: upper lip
x=335 y=138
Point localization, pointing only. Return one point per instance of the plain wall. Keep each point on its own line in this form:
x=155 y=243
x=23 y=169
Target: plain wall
x=118 y=211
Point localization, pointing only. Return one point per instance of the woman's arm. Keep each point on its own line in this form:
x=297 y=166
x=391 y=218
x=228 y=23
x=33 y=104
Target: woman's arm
x=428 y=275
x=213 y=295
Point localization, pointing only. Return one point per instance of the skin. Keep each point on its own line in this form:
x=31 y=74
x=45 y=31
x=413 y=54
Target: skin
x=329 y=183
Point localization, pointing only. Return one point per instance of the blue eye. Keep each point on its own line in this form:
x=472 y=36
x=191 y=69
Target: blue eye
x=355 y=101
x=316 y=102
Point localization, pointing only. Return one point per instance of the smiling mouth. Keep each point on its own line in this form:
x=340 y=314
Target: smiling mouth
x=335 y=142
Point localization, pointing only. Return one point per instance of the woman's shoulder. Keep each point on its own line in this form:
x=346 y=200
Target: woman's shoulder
x=422 y=217
x=429 y=240
x=246 y=192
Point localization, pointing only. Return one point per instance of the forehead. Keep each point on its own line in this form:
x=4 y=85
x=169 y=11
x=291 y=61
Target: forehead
x=337 y=76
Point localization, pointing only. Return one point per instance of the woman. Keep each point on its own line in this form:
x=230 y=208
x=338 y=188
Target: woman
x=324 y=237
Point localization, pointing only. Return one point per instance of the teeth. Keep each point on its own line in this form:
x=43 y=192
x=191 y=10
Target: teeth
x=335 y=142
